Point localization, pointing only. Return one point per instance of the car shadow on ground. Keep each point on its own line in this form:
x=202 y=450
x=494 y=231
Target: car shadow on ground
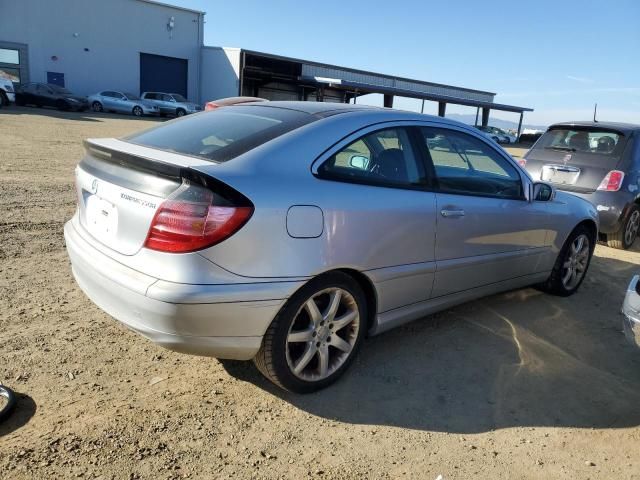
x=521 y=358
x=87 y=116
x=23 y=411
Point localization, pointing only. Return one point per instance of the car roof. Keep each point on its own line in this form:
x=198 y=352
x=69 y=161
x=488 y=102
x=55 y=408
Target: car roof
x=326 y=109
x=619 y=126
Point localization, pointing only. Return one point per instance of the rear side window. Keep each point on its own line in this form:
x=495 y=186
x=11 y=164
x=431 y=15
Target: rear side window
x=582 y=140
x=383 y=158
x=466 y=165
x=151 y=96
x=224 y=133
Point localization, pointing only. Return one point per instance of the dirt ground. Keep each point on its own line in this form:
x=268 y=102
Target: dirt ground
x=516 y=386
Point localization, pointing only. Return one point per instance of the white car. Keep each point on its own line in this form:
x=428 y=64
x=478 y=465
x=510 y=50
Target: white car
x=631 y=312
x=7 y=94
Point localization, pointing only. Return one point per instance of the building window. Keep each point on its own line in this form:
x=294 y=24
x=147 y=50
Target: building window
x=9 y=56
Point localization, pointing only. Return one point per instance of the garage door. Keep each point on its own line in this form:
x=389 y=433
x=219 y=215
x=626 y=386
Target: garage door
x=163 y=74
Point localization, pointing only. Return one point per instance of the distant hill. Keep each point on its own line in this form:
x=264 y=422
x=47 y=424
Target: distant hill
x=494 y=122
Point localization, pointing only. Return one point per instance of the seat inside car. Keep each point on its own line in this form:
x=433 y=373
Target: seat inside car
x=580 y=141
x=391 y=165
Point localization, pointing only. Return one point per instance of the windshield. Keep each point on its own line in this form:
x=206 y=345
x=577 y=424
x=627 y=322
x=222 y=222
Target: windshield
x=224 y=133
x=584 y=140
x=178 y=97
x=57 y=88
x=131 y=96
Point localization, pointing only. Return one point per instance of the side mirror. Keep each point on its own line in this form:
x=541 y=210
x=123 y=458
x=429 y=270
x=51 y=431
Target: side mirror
x=543 y=192
x=359 y=161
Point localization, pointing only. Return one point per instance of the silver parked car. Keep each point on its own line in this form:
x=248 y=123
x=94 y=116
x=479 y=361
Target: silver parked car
x=285 y=232
x=631 y=312
x=172 y=103
x=122 y=102
x=600 y=162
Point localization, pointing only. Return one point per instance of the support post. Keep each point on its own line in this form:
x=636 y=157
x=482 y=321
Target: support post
x=388 y=101
x=519 y=126
x=485 y=116
x=477 y=112
x=422 y=109
x=442 y=109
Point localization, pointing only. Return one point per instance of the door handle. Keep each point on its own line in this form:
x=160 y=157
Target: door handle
x=452 y=213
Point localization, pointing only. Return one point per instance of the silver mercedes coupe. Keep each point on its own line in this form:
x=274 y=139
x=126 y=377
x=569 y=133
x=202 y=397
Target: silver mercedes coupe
x=286 y=232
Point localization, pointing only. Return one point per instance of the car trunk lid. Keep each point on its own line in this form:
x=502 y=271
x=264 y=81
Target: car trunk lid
x=575 y=169
x=120 y=186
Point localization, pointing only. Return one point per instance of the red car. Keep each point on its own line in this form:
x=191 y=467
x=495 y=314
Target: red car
x=224 y=102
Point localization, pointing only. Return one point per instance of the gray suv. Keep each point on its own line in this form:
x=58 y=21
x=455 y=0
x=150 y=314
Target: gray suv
x=171 y=103
x=600 y=162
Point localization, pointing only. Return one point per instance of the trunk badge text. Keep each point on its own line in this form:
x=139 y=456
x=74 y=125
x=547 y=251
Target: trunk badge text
x=94 y=186
x=567 y=158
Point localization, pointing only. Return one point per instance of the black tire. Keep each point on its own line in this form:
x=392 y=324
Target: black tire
x=137 y=111
x=10 y=402
x=623 y=238
x=554 y=284
x=181 y=112
x=4 y=100
x=62 y=105
x=19 y=101
x=272 y=360
x=97 y=107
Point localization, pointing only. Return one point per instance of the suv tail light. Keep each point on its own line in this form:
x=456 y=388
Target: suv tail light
x=612 y=181
x=193 y=218
x=522 y=162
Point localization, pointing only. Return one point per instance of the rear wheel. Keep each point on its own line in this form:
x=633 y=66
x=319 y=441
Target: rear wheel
x=96 y=106
x=572 y=263
x=180 y=112
x=624 y=238
x=137 y=111
x=316 y=335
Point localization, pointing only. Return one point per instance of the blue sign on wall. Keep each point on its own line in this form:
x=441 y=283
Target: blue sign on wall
x=55 y=78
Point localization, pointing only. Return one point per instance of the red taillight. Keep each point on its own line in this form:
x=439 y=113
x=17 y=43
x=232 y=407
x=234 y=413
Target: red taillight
x=189 y=220
x=210 y=106
x=522 y=162
x=612 y=181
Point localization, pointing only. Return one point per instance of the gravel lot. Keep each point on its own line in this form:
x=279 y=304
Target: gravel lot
x=518 y=385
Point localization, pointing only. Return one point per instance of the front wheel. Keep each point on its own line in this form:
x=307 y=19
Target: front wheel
x=624 y=238
x=4 y=100
x=96 y=106
x=572 y=263
x=137 y=111
x=316 y=335
x=180 y=112
x=62 y=105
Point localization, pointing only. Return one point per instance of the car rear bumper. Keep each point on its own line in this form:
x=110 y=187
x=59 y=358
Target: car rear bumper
x=631 y=313
x=223 y=321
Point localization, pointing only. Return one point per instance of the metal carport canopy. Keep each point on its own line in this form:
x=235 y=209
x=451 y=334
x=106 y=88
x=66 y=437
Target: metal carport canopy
x=364 y=88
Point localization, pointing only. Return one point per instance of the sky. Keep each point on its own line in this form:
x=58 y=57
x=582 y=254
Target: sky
x=559 y=57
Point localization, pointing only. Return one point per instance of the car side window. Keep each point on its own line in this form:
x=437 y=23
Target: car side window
x=383 y=158
x=167 y=98
x=466 y=165
x=150 y=96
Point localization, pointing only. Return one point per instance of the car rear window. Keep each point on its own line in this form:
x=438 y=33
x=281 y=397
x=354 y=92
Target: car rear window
x=222 y=134
x=582 y=140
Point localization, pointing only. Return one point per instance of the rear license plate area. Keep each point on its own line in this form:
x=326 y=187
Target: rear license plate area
x=560 y=174
x=101 y=217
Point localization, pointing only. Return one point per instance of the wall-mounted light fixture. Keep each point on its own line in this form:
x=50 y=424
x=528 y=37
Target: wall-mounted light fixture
x=171 y=25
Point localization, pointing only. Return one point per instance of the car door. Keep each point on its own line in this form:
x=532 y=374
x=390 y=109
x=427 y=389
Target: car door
x=43 y=96
x=380 y=214
x=168 y=104
x=487 y=230
x=121 y=103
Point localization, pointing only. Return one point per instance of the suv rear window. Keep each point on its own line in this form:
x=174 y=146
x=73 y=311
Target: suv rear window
x=224 y=133
x=583 y=140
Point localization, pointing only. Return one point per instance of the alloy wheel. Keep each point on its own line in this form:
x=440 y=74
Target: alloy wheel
x=323 y=334
x=576 y=262
x=633 y=224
